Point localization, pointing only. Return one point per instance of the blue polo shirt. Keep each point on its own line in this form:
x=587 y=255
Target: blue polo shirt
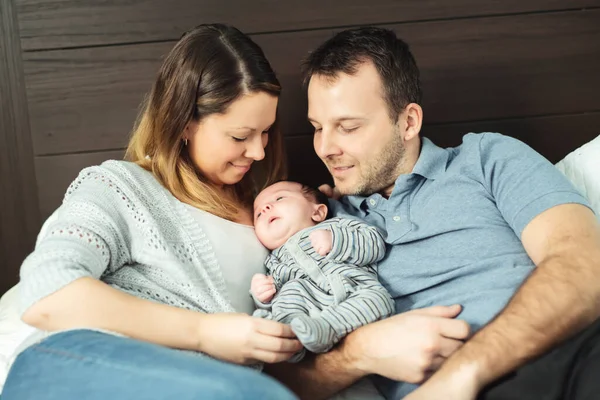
x=453 y=226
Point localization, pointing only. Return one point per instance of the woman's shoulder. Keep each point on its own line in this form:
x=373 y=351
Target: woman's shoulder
x=123 y=169
x=124 y=178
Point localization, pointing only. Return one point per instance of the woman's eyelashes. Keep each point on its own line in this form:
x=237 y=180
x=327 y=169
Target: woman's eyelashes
x=243 y=139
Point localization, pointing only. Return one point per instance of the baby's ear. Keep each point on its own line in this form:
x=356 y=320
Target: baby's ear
x=320 y=213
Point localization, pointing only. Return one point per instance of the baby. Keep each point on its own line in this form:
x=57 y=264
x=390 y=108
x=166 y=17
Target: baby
x=322 y=273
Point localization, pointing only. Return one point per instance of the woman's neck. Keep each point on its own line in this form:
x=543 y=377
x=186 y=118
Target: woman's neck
x=244 y=215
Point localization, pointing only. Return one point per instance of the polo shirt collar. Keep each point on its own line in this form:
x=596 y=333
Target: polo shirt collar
x=432 y=160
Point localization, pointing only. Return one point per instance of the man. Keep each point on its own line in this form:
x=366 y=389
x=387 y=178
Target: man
x=490 y=225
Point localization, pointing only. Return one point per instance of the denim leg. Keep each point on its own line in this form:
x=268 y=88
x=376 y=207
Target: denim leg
x=84 y=364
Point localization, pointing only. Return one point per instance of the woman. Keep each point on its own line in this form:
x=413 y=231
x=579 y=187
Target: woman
x=154 y=255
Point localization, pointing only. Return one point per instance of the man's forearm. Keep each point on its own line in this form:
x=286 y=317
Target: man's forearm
x=317 y=377
x=560 y=298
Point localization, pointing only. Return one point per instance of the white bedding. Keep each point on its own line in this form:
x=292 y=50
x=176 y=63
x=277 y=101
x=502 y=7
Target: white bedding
x=12 y=331
x=582 y=167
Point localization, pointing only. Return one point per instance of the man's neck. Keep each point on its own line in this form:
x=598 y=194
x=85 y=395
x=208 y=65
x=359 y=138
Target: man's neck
x=407 y=164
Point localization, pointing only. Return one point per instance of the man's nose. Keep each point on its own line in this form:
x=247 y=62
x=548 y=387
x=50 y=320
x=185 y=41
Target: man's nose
x=325 y=144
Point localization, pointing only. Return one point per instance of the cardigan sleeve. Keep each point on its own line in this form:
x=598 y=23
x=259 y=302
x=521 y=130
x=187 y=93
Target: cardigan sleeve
x=85 y=236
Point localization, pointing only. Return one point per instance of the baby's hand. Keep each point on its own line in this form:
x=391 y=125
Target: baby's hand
x=322 y=241
x=263 y=287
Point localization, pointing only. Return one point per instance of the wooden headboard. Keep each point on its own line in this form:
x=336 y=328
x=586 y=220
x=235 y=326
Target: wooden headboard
x=76 y=72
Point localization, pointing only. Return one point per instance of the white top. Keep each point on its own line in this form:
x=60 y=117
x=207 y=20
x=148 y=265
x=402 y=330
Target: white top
x=239 y=254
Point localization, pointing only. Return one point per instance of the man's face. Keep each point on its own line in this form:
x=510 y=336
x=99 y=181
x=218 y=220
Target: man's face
x=354 y=135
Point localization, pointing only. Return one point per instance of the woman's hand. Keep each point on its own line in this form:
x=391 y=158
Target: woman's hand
x=262 y=287
x=242 y=339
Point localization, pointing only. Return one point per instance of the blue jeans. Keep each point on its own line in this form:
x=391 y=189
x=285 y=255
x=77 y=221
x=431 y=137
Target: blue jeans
x=84 y=364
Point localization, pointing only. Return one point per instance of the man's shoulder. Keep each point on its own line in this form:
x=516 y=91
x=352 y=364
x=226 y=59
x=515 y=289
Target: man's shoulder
x=491 y=145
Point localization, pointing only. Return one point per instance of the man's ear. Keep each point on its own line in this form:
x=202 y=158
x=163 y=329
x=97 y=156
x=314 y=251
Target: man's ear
x=320 y=213
x=411 y=120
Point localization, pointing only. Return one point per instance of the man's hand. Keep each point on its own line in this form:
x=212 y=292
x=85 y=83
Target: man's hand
x=262 y=287
x=322 y=241
x=409 y=346
x=461 y=385
x=330 y=192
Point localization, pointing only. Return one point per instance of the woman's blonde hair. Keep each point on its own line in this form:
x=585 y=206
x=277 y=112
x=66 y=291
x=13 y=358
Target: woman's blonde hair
x=208 y=69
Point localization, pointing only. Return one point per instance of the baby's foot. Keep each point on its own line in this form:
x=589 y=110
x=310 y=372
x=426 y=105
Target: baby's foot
x=316 y=334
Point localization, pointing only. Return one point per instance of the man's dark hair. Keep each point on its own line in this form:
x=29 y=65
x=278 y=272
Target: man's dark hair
x=348 y=50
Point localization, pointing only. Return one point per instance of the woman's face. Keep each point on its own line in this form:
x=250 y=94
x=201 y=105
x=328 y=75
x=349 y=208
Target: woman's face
x=224 y=146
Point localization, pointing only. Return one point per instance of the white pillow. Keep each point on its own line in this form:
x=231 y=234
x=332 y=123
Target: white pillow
x=582 y=167
x=13 y=331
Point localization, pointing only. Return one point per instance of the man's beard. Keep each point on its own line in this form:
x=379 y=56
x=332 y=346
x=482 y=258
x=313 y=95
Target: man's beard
x=382 y=170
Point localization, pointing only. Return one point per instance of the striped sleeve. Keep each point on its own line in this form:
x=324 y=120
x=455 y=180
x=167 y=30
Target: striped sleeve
x=355 y=242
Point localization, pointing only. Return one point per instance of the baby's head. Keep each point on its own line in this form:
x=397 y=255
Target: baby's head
x=285 y=208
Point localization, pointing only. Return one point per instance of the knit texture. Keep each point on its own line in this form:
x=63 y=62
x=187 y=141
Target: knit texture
x=119 y=225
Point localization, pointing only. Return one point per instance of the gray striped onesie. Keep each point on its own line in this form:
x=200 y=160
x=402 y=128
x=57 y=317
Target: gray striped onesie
x=324 y=298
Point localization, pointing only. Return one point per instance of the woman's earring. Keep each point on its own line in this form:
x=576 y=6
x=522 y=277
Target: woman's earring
x=185 y=142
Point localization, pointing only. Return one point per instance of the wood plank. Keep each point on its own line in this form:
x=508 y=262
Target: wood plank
x=554 y=136
x=88 y=99
x=479 y=69
x=547 y=135
x=476 y=69
x=99 y=22
x=19 y=217
x=304 y=165
x=55 y=174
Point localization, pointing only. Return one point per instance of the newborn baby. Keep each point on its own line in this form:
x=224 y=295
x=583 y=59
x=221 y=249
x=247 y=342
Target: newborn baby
x=322 y=273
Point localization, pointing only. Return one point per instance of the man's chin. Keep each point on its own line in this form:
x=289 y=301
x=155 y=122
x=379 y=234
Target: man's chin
x=345 y=188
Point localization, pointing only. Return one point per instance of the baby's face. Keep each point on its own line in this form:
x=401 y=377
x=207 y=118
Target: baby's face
x=280 y=211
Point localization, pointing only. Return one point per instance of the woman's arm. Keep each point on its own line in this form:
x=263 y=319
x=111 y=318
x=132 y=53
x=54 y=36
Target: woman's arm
x=60 y=284
x=90 y=303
